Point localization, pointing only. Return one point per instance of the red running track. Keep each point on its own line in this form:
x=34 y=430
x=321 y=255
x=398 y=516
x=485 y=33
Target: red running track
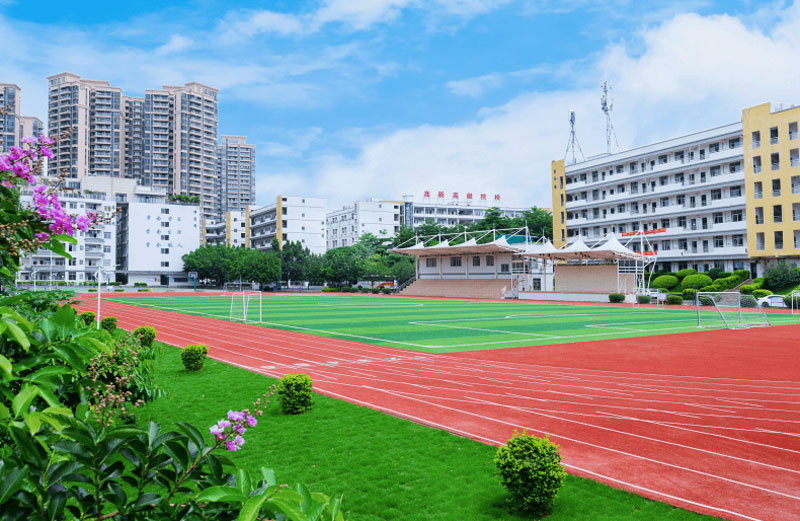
x=707 y=421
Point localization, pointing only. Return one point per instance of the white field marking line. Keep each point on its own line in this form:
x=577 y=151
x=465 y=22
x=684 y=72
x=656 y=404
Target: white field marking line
x=503 y=331
x=517 y=367
x=671 y=426
x=410 y=344
x=178 y=331
x=665 y=389
x=574 y=440
x=609 y=429
x=370 y=306
x=495 y=442
x=275 y=333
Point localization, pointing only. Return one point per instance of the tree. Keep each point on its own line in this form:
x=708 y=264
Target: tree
x=539 y=222
x=294 y=260
x=213 y=262
x=343 y=266
x=257 y=266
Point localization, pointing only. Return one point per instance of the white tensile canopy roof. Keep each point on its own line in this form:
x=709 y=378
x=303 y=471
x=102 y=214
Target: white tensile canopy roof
x=610 y=249
x=470 y=246
x=613 y=249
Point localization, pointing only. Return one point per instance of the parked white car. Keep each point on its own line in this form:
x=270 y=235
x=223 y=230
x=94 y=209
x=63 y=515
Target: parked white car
x=772 y=301
x=655 y=294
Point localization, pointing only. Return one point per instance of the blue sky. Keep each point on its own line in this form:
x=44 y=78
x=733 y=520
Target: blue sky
x=351 y=99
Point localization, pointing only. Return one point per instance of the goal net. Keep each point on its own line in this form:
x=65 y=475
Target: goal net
x=728 y=309
x=246 y=307
x=794 y=301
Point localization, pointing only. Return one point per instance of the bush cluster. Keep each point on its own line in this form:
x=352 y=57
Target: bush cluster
x=761 y=293
x=194 y=356
x=87 y=317
x=140 y=284
x=530 y=469
x=664 y=282
x=330 y=290
x=145 y=335
x=643 y=299
x=674 y=300
x=109 y=324
x=295 y=393
x=616 y=298
x=682 y=274
x=696 y=281
x=689 y=293
x=145 y=289
x=781 y=276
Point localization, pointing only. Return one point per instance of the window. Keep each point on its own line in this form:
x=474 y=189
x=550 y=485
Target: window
x=165 y=224
x=715 y=171
x=759 y=215
x=455 y=262
x=758 y=190
x=716 y=194
x=430 y=262
x=666 y=245
x=106 y=235
x=165 y=237
x=665 y=201
x=736 y=191
x=794 y=157
x=713 y=147
x=778 y=240
x=165 y=211
x=682 y=221
x=776 y=188
x=165 y=264
x=719 y=241
x=756 y=139
x=737 y=240
x=737 y=216
x=665 y=223
x=681 y=199
x=504 y=268
x=773 y=136
x=164 y=251
x=775 y=159
x=756 y=164
x=735 y=142
x=476 y=261
x=490 y=260
x=718 y=218
x=777 y=214
x=662 y=159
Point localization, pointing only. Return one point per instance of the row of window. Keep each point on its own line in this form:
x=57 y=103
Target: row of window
x=775 y=160
x=774 y=135
x=455 y=262
x=777 y=213
x=777 y=238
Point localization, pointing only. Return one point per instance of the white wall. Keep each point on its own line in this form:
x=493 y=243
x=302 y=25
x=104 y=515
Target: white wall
x=145 y=242
x=305 y=221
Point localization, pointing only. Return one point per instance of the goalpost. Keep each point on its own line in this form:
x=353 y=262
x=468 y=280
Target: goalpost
x=728 y=309
x=794 y=300
x=245 y=303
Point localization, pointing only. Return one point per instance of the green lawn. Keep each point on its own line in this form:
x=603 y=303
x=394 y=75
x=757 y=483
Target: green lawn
x=387 y=468
x=442 y=325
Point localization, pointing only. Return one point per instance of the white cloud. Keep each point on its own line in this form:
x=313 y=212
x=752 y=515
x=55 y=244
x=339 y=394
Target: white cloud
x=176 y=43
x=688 y=74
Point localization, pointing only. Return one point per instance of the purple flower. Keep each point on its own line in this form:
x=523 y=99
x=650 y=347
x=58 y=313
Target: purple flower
x=6 y=183
x=5 y=164
x=251 y=421
x=224 y=424
x=239 y=441
x=43 y=236
x=215 y=430
x=46 y=152
x=231 y=446
x=45 y=140
x=29 y=140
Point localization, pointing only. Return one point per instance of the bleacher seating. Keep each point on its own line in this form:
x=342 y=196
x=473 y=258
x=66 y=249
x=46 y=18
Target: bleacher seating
x=465 y=288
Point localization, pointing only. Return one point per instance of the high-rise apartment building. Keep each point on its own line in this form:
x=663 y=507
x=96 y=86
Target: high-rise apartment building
x=236 y=172
x=726 y=197
x=168 y=138
x=14 y=127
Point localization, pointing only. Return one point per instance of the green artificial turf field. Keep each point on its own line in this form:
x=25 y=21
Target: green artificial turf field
x=446 y=325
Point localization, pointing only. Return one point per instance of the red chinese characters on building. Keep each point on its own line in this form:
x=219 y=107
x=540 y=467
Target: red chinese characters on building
x=496 y=197
x=427 y=193
x=455 y=195
x=441 y=194
x=483 y=197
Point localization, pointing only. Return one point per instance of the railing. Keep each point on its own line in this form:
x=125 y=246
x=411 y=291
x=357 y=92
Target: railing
x=404 y=285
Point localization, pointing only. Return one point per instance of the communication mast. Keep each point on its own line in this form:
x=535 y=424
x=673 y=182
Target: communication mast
x=573 y=142
x=607 y=104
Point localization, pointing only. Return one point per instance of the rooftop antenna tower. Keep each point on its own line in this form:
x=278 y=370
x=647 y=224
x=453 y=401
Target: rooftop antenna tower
x=607 y=104
x=573 y=142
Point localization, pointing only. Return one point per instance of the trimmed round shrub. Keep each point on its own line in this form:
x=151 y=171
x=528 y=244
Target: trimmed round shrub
x=194 y=356
x=748 y=289
x=144 y=289
x=685 y=273
x=689 y=293
x=145 y=335
x=386 y=291
x=707 y=288
x=616 y=298
x=88 y=317
x=643 y=299
x=330 y=290
x=294 y=393
x=760 y=293
x=664 y=282
x=674 y=300
x=749 y=301
x=109 y=324
x=119 y=289
x=92 y=290
x=729 y=282
x=741 y=274
x=697 y=280
x=375 y=291
x=530 y=469
x=366 y=290
x=140 y=284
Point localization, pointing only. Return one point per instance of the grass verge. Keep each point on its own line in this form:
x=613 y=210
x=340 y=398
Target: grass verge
x=387 y=468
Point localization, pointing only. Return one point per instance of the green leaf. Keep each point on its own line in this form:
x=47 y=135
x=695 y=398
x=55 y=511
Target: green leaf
x=34 y=421
x=19 y=335
x=4 y=412
x=5 y=365
x=251 y=508
x=221 y=494
x=288 y=507
x=193 y=434
x=10 y=482
x=269 y=476
x=22 y=401
x=46 y=373
x=243 y=481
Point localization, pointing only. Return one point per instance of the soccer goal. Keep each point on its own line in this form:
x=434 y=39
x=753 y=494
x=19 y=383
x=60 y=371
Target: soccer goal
x=728 y=309
x=794 y=301
x=246 y=306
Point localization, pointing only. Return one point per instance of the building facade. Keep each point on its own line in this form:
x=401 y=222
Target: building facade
x=233 y=231
x=95 y=247
x=380 y=218
x=291 y=218
x=450 y=213
x=236 y=172
x=702 y=201
x=13 y=126
x=152 y=240
x=167 y=138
